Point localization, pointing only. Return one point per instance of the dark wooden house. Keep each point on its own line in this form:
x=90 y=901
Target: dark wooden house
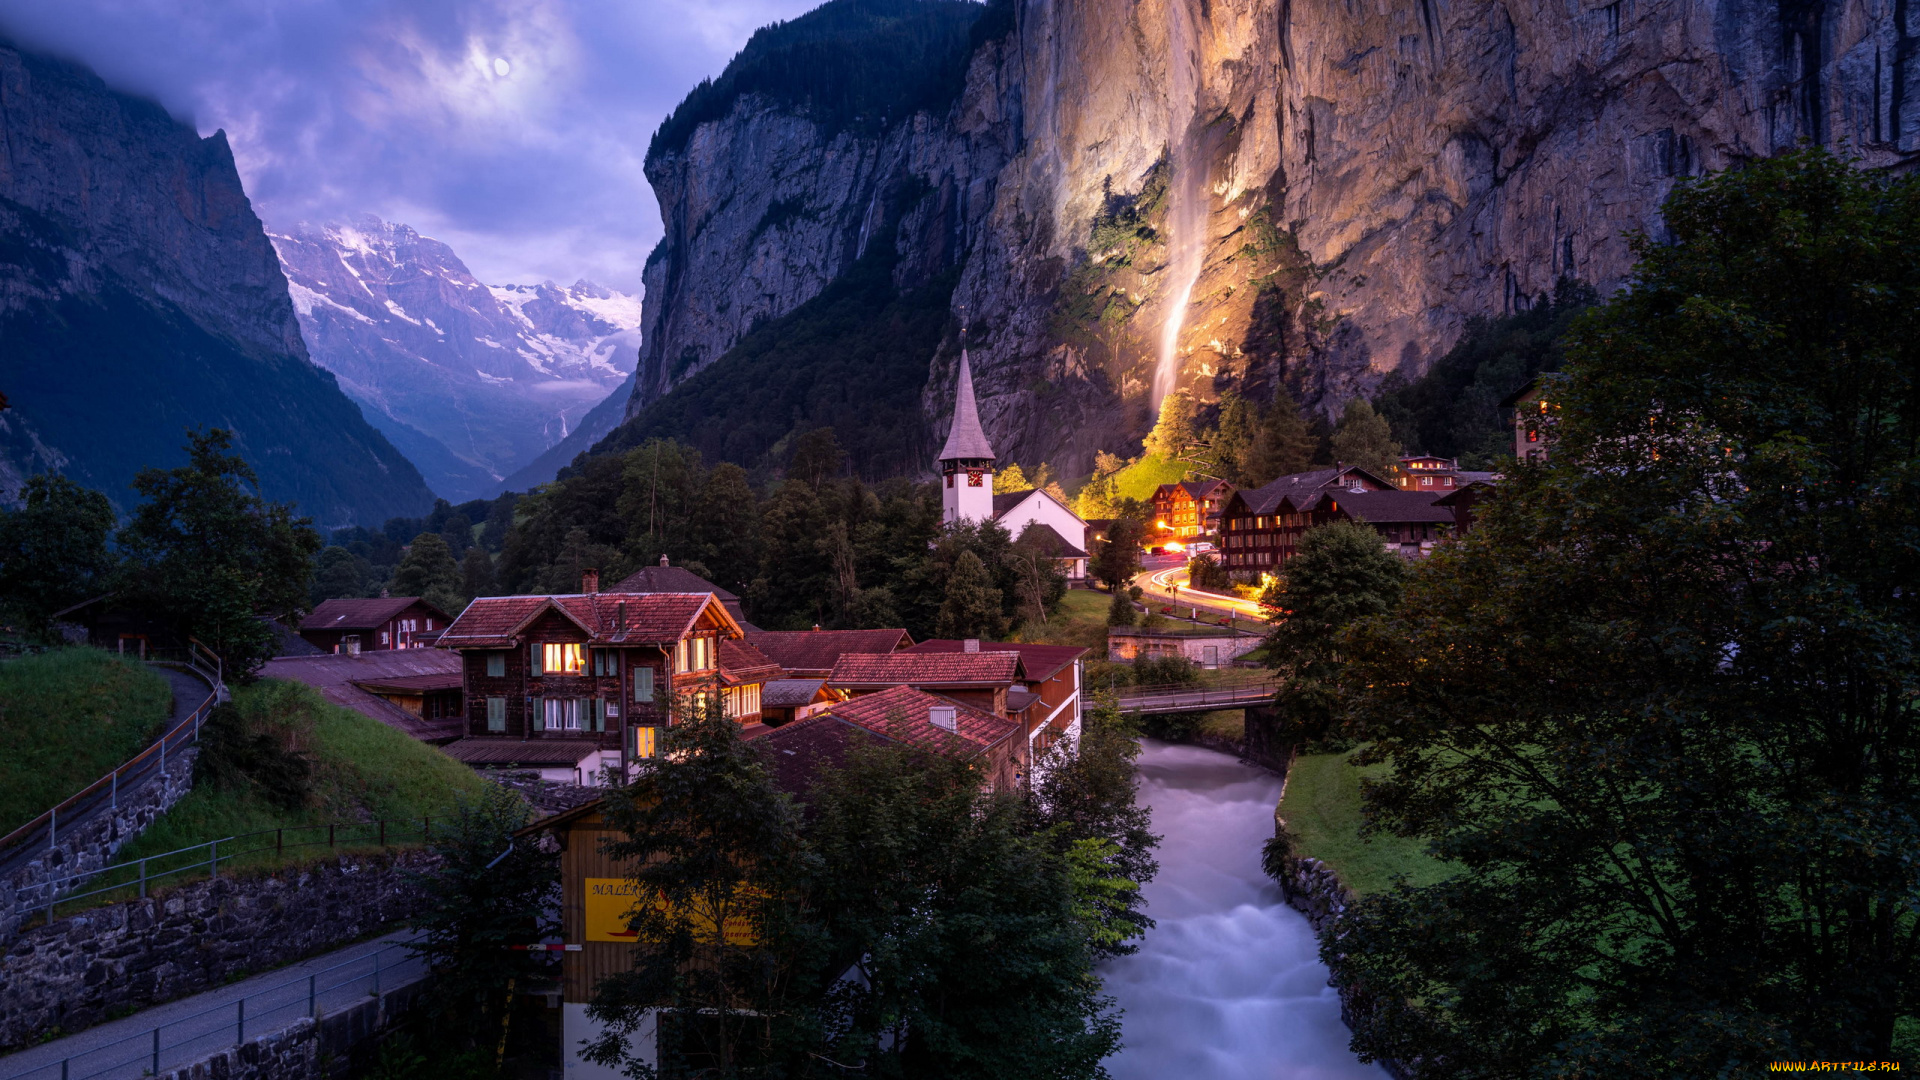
x=386 y=622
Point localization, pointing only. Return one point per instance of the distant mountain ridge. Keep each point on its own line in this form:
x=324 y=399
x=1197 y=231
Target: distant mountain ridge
x=474 y=381
x=139 y=296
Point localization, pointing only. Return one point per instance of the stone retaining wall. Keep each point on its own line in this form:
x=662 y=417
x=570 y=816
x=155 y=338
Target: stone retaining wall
x=340 y=1044
x=76 y=971
x=91 y=844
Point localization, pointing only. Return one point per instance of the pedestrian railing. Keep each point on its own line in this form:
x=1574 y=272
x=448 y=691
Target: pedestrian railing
x=133 y=877
x=45 y=831
x=185 y=1039
x=1194 y=698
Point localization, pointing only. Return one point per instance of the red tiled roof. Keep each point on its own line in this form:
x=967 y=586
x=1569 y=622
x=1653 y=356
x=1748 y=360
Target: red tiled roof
x=909 y=668
x=817 y=650
x=531 y=753
x=902 y=714
x=741 y=663
x=1040 y=661
x=495 y=622
x=349 y=614
x=797 y=753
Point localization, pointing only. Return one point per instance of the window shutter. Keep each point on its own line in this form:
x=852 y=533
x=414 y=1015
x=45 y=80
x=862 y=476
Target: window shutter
x=539 y=714
x=533 y=652
x=497 y=714
x=599 y=714
x=643 y=683
x=496 y=664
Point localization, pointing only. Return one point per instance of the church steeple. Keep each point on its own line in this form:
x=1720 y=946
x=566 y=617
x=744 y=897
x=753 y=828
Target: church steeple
x=966 y=461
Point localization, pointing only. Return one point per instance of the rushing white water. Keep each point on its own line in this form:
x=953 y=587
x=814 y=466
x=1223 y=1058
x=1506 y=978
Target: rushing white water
x=1228 y=985
x=1187 y=197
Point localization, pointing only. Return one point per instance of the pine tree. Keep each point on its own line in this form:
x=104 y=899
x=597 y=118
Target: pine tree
x=1010 y=479
x=428 y=571
x=1174 y=433
x=1364 y=438
x=476 y=573
x=972 y=608
x=1120 y=611
x=1281 y=445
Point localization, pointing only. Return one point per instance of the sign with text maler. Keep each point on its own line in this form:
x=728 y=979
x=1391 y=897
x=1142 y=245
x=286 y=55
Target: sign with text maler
x=609 y=902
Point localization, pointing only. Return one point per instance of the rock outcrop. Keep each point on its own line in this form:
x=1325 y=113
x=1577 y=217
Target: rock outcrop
x=491 y=375
x=139 y=296
x=1373 y=176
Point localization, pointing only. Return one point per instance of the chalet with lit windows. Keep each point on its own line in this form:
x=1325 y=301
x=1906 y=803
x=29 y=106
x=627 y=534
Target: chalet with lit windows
x=1191 y=508
x=1048 y=701
x=1532 y=418
x=1262 y=527
x=389 y=622
x=593 y=667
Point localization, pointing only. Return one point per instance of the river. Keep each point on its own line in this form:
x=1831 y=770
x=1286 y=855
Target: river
x=1229 y=984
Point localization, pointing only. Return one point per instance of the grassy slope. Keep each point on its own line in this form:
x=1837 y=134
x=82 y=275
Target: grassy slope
x=362 y=770
x=1138 y=480
x=68 y=718
x=1322 y=809
x=1081 y=620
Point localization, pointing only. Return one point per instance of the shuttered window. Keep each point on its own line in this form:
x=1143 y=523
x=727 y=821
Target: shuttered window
x=496 y=664
x=496 y=714
x=643 y=684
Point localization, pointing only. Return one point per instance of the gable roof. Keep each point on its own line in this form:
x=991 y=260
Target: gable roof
x=741 y=663
x=965 y=439
x=1005 y=501
x=797 y=753
x=496 y=622
x=1302 y=485
x=790 y=693
x=902 y=714
x=670 y=579
x=354 y=614
x=907 y=668
x=1041 y=662
x=815 y=651
x=1392 y=507
x=1050 y=542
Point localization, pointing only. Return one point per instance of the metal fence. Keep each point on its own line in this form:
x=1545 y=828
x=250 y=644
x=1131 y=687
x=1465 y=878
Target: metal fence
x=44 y=831
x=181 y=1040
x=133 y=877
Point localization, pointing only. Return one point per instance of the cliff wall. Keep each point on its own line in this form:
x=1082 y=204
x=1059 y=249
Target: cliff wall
x=1371 y=176
x=139 y=295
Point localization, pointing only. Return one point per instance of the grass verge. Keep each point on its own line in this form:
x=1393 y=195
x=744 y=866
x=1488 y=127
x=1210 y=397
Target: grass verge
x=1322 y=810
x=67 y=718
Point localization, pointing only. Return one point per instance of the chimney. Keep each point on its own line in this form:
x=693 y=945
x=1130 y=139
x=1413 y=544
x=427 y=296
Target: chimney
x=972 y=644
x=620 y=617
x=663 y=559
x=589 y=581
x=944 y=717
x=816 y=626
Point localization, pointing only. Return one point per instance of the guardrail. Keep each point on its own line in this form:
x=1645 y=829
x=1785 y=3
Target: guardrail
x=44 y=831
x=196 y=1035
x=139 y=874
x=1194 y=699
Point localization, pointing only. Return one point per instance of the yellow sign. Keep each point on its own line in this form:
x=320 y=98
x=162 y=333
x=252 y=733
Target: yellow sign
x=611 y=901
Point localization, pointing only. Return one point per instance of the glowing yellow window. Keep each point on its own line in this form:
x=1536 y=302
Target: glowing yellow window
x=563 y=659
x=642 y=737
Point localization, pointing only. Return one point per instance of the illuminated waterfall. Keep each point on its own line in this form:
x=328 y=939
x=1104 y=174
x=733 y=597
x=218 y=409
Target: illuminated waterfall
x=1187 y=196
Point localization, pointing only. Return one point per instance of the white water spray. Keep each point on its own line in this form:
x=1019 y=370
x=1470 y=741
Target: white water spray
x=1187 y=197
x=1228 y=985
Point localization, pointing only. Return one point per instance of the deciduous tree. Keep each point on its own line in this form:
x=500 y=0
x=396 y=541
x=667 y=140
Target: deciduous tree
x=1364 y=438
x=1340 y=575
x=53 y=550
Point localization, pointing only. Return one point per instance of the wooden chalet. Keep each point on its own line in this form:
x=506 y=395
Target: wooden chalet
x=1532 y=419
x=1048 y=704
x=978 y=679
x=1263 y=526
x=1192 y=507
x=595 y=667
x=387 y=622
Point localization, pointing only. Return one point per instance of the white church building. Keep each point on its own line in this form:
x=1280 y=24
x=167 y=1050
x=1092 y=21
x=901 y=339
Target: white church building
x=966 y=491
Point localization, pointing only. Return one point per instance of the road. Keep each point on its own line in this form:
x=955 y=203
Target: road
x=193 y=1027
x=1169 y=583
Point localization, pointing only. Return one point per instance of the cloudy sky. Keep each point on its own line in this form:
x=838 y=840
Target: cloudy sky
x=512 y=129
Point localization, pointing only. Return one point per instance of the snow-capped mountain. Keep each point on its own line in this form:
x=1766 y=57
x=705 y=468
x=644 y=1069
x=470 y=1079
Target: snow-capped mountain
x=471 y=381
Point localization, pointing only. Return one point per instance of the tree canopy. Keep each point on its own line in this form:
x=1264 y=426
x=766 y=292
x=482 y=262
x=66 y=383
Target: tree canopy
x=1660 y=705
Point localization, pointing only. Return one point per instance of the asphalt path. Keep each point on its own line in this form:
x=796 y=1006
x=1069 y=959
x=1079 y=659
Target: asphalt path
x=194 y=1027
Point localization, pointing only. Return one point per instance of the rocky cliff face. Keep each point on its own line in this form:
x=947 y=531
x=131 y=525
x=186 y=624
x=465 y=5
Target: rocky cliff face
x=1371 y=176
x=139 y=296
x=473 y=381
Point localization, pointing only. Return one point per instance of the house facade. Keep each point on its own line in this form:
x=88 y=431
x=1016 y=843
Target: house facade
x=1532 y=418
x=1054 y=679
x=595 y=667
x=1191 y=508
x=355 y=626
x=1263 y=527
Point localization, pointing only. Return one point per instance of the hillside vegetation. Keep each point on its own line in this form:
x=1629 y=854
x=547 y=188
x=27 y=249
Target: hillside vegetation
x=67 y=718
x=359 y=770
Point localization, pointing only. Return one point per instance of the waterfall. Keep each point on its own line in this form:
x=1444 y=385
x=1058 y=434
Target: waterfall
x=1187 y=196
x=1228 y=985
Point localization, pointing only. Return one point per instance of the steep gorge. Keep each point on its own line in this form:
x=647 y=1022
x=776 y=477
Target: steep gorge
x=1373 y=175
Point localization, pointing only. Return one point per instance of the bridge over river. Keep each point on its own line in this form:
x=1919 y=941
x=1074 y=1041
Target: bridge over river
x=1237 y=694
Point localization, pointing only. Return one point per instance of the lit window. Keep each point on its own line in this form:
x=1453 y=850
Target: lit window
x=384 y=639
x=563 y=714
x=1426 y=481
x=563 y=659
x=640 y=742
